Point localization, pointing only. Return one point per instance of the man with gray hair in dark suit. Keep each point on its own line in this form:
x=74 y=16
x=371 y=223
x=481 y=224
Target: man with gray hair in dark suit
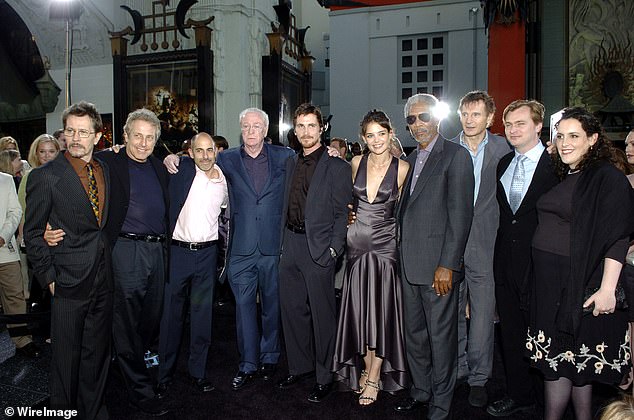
x=434 y=218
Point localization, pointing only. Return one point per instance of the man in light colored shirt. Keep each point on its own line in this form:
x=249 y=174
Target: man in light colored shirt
x=518 y=221
x=197 y=193
x=475 y=359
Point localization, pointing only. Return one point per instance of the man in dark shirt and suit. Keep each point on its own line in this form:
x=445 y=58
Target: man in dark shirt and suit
x=72 y=193
x=530 y=163
x=434 y=219
x=314 y=235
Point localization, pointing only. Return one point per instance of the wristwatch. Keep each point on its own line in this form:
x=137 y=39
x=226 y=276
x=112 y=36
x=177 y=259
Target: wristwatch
x=333 y=253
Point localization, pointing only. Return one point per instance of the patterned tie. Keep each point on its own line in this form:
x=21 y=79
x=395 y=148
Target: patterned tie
x=517 y=184
x=93 y=195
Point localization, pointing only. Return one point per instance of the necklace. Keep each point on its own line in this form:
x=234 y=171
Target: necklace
x=380 y=165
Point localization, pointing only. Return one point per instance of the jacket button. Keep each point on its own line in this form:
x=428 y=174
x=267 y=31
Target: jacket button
x=513 y=222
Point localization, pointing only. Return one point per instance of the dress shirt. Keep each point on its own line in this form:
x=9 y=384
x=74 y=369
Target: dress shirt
x=530 y=164
x=303 y=174
x=257 y=168
x=198 y=218
x=79 y=166
x=478 y=160
x=421 y=158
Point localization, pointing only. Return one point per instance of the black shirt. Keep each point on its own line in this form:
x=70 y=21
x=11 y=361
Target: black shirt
x=303 y=174
x=257 y=168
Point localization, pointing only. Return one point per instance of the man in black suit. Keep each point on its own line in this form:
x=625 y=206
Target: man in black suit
x=197 y=193
x=137 y=230
x=523 y=176
x=314 y=234
x=434 y=219
x=72 y=193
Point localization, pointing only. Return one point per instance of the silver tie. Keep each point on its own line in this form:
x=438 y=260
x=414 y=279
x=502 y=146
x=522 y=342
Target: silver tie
x=517 y=184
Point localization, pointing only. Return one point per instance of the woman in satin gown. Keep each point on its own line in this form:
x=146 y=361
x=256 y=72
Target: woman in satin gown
x=369 y=351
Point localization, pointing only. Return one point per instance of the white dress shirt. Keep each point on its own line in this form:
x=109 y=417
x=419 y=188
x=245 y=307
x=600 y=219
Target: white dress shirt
x=530 y=164
x=198 y=219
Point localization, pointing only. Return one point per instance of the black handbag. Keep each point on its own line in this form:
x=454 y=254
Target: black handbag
x=619 y=293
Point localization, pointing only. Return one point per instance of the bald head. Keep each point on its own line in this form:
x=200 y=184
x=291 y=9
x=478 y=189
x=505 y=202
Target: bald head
x=203 y=151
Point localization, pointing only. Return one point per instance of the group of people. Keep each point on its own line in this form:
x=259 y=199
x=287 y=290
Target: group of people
x=434 y=243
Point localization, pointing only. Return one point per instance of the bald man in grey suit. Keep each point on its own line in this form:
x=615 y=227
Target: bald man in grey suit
x=434 y=218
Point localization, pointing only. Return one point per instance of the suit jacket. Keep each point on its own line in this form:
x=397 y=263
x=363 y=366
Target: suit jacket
x=120 y=181
x=255 y=218
x=179 y=186
x=326 y=213
x=512 y=256
x=55 y=195
x=486 y=213
x=434 y=221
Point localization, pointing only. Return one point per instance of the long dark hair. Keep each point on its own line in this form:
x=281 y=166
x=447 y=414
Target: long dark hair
x=599 y=151
x=375 y=116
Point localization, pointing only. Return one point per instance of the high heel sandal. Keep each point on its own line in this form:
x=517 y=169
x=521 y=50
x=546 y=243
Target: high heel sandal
x=364 y=374
x=372 y=400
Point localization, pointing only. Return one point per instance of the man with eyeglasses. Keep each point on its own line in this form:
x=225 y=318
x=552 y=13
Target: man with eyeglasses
x=314 y=220
x=72 y=193
x=136 y=230
x=434 y=218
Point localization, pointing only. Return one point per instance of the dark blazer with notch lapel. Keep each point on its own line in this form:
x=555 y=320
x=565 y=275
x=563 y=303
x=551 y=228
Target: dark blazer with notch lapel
x=80 y=266
x=511 y=265
x=326 y=218
x=120 y=180
x=434 y=222
x=55 y=195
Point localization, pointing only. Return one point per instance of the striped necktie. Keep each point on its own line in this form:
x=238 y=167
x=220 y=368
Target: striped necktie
x=517 y=184
x=93 y=194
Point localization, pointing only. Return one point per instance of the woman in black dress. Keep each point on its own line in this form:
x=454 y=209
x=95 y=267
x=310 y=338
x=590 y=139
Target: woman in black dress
x=369 y=352
x=577 y=335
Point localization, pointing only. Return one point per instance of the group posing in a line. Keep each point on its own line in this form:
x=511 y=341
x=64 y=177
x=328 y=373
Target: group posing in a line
x=456 y=226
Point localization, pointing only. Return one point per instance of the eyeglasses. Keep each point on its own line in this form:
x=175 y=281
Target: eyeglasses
x=255 y=127
x=84 y=134
x=423 y=116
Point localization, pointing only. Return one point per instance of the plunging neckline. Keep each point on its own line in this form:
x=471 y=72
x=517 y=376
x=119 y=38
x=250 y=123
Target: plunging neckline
x=367 y=177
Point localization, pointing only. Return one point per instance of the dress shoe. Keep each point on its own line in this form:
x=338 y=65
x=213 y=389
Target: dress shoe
x=31 y=350
x=242 y=379
x=152 y=407
x=319 y=392
x=291 y=380
x=162 y=388
x=506 y=407
x=202 y=384
x=408 y=405
x=267 y=370
x=478 y=396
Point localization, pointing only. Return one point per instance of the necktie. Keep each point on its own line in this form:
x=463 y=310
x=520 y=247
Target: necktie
x=93 y=195
x=517 y=184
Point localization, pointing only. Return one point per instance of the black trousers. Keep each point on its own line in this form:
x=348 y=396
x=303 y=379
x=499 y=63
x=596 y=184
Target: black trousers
x=308 y=309
x=139 y=279
x=80 y=346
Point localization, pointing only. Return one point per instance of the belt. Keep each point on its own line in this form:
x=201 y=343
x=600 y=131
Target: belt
x=144 y=238
x=194 y=246
x=296 y=229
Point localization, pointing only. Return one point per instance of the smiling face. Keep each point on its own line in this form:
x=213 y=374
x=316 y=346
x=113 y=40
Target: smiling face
x=77 y=146
x=572 y=142
x=425 y=130
x=475 y=119
x=308 y=132
x=521 y=131
x=629 y=147
x=140 y=140
x=203 y=151
x=46 y=152
x=378 y=138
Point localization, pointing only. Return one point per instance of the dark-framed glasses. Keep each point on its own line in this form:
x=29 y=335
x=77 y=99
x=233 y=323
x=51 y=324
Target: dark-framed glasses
x=70 y=132
x=423 y=116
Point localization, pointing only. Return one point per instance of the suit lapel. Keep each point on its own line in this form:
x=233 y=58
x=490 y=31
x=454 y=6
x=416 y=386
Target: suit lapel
x=70 y=186
x=503 y=200
x=106 y=179
x=534 y=190
x=428 y=169
x=318 y=175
